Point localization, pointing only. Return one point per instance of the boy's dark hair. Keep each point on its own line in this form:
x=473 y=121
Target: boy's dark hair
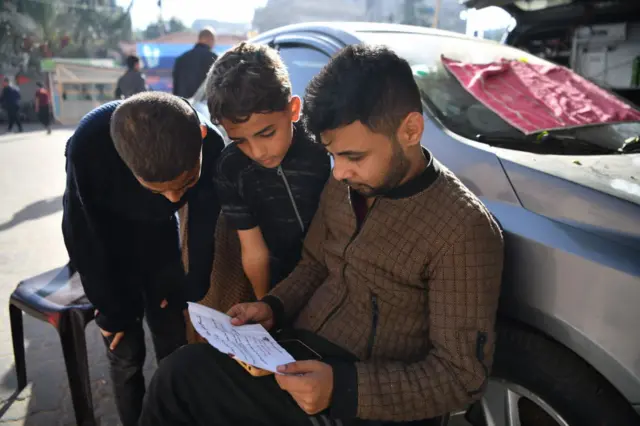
x=132 y=61
x=246 y=80
x=157 y=135
x=370 y=84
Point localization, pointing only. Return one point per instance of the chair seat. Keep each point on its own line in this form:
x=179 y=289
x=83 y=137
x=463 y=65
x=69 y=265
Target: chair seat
x=52 y=292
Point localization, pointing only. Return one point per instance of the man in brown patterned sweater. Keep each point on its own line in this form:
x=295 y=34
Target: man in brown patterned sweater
x=397 y=288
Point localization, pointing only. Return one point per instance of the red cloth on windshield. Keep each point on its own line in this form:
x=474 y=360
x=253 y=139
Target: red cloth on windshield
x=533 y=97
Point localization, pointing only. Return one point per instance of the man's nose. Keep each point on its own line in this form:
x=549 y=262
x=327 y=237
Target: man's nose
x=340 y=172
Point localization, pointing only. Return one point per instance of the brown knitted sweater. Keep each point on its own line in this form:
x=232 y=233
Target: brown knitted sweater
x=413 y=294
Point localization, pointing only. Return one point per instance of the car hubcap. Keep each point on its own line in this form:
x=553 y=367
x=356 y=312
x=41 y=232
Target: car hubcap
x=508 y=404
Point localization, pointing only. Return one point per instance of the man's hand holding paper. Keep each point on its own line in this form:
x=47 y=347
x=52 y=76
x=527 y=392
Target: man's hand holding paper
x=249 y=343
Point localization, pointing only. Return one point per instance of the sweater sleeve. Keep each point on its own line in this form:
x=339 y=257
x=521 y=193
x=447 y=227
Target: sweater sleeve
x=464 y=287
x=291 y=294
x=84 y=233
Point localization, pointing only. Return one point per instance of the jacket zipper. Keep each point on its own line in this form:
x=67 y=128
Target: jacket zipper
x=344 y=255
x=293 y=202
x=374 y=325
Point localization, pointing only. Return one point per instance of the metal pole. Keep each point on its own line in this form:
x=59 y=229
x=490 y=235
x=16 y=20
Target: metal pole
x=436 y=14
x=160 y=20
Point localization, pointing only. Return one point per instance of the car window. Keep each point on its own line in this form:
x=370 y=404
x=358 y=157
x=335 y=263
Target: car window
x=456 y=108
x=303 y=64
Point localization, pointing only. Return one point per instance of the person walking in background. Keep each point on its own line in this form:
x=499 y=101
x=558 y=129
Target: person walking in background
x=133 y=81
x=42 y=106
x=10 y=101
x=191 y=67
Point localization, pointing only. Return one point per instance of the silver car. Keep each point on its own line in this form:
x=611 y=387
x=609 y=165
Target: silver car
x=568 y=351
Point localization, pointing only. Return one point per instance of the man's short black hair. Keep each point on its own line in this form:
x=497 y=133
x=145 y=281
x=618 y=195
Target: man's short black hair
x=370 y=84
x=132 y=61
x=157 y=135
x=248 y=79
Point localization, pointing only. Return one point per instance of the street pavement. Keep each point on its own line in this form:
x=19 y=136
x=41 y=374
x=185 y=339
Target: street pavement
x=32 y=181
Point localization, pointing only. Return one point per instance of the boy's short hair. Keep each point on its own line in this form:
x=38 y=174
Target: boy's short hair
x=370 y=84
x=157 y=135
x=248 y=79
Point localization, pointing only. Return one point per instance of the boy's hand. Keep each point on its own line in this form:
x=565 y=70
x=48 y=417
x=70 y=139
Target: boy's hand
x=105 y=333
x=310 y=384
x=257 y=312
x=116 y=339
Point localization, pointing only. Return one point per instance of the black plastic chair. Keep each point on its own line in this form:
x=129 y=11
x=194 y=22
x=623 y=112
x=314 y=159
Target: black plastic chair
x=57 y=297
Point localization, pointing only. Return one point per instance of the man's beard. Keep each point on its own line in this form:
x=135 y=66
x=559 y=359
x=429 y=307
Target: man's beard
x=397 y=170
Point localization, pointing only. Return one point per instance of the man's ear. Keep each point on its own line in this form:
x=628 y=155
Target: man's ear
x=295 y=104
x=203 y=131
x=411 y=129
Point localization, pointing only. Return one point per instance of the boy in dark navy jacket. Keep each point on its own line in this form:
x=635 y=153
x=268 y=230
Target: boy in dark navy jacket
x=130 y=166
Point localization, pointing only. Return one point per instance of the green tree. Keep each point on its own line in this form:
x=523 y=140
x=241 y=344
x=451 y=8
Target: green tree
x=17 y=30
x=65 y=28
x=157 y=29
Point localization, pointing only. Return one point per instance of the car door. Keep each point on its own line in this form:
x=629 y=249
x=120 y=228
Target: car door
x=304 y=59
x=304 y=55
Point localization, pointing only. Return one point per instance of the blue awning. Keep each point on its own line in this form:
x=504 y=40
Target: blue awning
x=163 y=55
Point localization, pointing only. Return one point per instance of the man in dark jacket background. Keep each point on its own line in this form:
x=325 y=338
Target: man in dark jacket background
x=10 y=101
x=132 y=81
x=191 y=67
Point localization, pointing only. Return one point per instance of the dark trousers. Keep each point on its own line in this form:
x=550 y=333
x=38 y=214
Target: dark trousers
x=200 y=386
x=13 y=116
x=44 y=115
x=127 y=359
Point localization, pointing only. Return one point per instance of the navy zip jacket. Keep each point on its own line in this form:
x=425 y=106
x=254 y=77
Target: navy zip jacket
x=281 y=201
x=122 y=238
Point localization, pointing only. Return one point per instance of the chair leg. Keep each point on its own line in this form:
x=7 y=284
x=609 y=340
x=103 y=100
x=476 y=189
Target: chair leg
x=17 y=335
x=74 y=349
x=445 y=420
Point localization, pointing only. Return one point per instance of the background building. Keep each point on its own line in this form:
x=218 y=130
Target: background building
x=221 y=27
x=277 y=13
x=417 y=12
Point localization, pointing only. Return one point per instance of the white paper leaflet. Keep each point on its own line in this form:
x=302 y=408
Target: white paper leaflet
x=250 y=343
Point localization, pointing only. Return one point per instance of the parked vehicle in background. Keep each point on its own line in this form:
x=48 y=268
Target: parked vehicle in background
x=599 y=39
x=568 y=351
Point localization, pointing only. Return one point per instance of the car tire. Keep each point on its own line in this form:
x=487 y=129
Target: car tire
x=563 y=382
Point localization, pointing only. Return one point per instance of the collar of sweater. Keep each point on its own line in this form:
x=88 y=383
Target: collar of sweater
x=419 y=183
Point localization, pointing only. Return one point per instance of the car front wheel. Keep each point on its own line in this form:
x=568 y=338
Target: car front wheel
x=538 y=382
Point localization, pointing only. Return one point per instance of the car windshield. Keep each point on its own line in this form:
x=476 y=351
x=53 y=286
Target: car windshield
x=456 y=108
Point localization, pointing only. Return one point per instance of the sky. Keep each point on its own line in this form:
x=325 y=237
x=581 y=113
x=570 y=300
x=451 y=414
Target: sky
x=145 y=12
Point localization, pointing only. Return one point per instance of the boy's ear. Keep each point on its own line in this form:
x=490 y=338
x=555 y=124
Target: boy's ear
x=296 y=106
x=203 y=131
